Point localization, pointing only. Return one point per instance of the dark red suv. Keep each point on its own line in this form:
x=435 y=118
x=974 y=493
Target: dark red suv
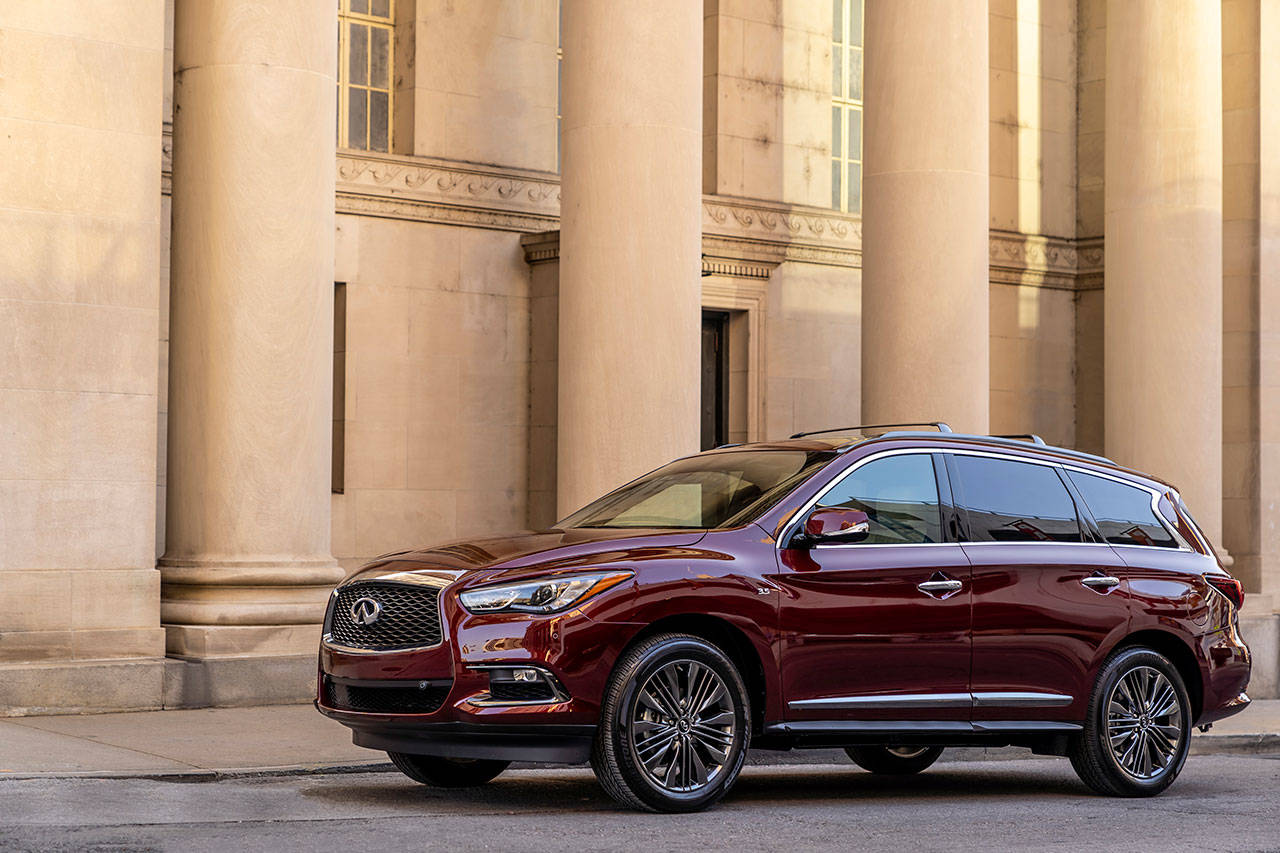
x=889 y=592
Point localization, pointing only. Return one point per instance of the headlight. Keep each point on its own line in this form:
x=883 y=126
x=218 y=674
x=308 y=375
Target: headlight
x=544 y=595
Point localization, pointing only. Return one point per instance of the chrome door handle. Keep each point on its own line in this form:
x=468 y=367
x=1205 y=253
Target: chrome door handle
x=1101 y=581
x=939 y=586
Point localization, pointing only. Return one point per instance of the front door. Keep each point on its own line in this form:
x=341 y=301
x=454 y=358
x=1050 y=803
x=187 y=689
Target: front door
x=879 y=630
x=1046 y=597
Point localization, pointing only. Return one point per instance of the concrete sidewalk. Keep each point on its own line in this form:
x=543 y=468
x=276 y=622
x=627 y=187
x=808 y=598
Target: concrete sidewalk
x=217 y=742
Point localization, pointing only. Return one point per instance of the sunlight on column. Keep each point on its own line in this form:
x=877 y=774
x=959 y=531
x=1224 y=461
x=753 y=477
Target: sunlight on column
x=1030 y=167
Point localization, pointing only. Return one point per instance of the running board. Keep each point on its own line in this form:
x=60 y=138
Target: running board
x=918 y=727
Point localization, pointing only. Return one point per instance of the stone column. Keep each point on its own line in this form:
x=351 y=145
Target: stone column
x=1163 y=209
x=247 y=563
x=630 y=242
x=926 y=202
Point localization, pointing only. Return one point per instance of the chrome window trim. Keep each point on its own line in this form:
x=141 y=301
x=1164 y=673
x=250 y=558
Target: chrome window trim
x=980 y=699
x=789 y=529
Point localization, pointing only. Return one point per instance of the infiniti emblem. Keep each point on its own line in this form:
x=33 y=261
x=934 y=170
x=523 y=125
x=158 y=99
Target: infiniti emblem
x=365 y=611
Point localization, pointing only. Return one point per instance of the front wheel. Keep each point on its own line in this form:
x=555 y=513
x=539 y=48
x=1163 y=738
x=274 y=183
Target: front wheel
x=447 y=772
x=674 y=726
x=894 y=760
x=1138 y=729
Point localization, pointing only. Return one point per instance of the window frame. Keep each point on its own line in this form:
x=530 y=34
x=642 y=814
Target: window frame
x=845 y=104
x=955 y=528
x=345 y=18
x=945 y=507
x=1085 y=524
x=946 y=504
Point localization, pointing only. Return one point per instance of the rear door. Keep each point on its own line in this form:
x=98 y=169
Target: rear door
x=1046 y=596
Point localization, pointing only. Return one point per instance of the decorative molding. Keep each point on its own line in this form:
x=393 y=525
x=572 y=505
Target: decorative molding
x=741 y=238
x=542 y=247
x=735 y=269
x=780 y=223
x=430 y=190
x=1040 y=261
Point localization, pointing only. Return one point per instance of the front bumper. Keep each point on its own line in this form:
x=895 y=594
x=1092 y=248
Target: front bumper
x=542 y=742
x=436 y=700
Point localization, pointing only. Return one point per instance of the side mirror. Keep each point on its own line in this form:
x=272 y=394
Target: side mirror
x=834 y=524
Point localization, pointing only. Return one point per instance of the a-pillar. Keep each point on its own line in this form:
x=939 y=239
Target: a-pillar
x=247 y=564
x=630 y=242
x=926 y=203
x=1163 y=207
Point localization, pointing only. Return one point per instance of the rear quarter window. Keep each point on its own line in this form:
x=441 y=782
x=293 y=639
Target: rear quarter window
x=1124 y=513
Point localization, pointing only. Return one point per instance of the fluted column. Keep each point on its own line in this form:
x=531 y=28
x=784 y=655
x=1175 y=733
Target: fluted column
x=247 y=562
x=1164 y=245
x=925 y=349
x=631 y=155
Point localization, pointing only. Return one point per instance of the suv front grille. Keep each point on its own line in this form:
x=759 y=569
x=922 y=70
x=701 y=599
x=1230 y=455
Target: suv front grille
x=414 y=697
x=409 y=616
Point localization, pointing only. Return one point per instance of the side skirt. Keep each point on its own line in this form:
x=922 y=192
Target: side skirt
x=1042 y=736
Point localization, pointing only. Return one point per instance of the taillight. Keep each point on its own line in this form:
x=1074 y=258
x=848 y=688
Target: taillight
x=1228 y=586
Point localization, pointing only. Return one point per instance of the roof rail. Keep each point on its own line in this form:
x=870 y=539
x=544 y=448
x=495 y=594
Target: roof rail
x=1023 y=436
x=939 y=425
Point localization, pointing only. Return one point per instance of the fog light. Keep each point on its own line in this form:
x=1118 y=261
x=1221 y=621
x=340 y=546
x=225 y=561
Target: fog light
x=526 y=675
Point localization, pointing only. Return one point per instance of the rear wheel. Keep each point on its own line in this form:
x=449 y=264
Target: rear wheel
x=674 y=726
x=894 y=760
x=447 y=772
x=1138 y=730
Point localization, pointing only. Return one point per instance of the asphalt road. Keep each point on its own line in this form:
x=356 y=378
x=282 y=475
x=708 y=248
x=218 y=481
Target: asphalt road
x=1228 y=803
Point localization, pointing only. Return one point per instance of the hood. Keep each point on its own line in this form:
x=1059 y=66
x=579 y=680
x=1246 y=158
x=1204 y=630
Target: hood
x=526 y=554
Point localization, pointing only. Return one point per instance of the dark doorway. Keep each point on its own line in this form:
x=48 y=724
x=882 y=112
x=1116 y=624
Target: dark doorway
x=715 y=377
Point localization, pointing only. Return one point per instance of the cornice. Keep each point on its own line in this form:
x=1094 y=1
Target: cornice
x=742 y=238
x=429 y=190
x=1041 y=261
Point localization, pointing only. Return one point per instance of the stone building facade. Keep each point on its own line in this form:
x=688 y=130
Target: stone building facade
x=560 y=243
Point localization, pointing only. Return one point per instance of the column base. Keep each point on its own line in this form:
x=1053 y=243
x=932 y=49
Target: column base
x=81 y=687
x=1260 y=629
x=210 y=642
x=229 y=682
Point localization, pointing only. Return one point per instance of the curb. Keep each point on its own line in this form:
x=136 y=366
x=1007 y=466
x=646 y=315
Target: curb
x=1244 y=744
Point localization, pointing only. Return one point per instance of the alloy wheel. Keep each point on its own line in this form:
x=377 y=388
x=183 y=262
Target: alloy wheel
x=682 y=726
x=1144 y=723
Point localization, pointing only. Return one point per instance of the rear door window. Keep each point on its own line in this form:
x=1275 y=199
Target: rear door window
x=899 y=494
x=1123 y=513
x=1008 y=501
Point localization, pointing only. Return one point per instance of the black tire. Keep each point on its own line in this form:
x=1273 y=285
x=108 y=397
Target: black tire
x=692 y=740
x=894 y=760
x=447 y=772
x=1117 y=771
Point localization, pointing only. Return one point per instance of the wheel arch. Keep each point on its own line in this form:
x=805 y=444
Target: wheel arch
x=1179 y=654
x=729 y=638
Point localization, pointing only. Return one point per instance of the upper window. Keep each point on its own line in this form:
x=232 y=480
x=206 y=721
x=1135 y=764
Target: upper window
x=708 y=490
x=1123 y=513
x=846 y=105
x=899 y=494
x=365 y=44
x=1009 y=501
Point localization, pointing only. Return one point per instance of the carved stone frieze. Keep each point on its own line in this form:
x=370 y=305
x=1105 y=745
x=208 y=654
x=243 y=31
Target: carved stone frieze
x=741 y=237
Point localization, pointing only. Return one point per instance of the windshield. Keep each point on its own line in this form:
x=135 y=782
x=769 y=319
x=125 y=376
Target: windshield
x=705 y=491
